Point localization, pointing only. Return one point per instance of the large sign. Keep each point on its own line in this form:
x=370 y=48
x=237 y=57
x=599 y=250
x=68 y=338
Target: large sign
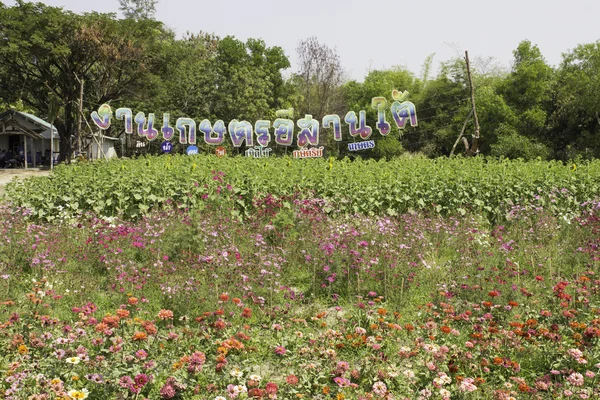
x=264 y=132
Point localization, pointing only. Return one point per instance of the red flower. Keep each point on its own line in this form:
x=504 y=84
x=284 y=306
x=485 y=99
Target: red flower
x=292 y=380
x=494 y=293
x=220 y=324
x=246 y=312
x=256 y=392
x=271 y=388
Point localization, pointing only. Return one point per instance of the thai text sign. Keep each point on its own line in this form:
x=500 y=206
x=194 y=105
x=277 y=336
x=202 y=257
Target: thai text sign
x=263 y=132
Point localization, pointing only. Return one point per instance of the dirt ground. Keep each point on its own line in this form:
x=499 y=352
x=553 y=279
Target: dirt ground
x=7 y=175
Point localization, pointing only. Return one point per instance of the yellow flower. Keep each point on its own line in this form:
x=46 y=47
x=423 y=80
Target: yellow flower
x=78 y=394
x=55 y=381
x=23 y=349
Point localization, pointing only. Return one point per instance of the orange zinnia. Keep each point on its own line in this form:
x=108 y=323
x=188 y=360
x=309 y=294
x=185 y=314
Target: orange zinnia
x=140 y=336
x=111 y=320
x=165 y=314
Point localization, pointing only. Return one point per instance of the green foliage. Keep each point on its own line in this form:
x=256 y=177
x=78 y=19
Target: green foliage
x=46 y=51
x=575 y=123
x=528 y=84
x=483 y=186
x=512 y=145
x=138 y=62
x=377 y=83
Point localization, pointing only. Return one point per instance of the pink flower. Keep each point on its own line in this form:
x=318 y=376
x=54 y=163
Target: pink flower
x=379 y=388
x=341 y=382
x=280 y=350
x=466 y=385
x=590 y=374
x=141 y=354
x=575 y=379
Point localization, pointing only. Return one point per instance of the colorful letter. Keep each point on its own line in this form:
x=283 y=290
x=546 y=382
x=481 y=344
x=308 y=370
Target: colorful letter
x=127 y=114
x=261 y=127
x=181 y=127
x=166 y=130
x=284 y=131
x=309 y=131
x=380 y=104
x=208 y=130
x=240 y=131
x=330 y=119
x=140 y=119
x=102 y=117
x=363 y=129
x=402 y=111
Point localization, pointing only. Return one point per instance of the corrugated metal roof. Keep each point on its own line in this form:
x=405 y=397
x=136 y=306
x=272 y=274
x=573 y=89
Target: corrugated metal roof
x=43 y=123
x=44 y=126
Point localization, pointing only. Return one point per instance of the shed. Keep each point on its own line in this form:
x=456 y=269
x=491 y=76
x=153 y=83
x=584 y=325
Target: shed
x=28 y=137
x=100 y=146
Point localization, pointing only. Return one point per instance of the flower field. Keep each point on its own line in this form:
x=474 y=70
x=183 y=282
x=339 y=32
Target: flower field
x=205 y=278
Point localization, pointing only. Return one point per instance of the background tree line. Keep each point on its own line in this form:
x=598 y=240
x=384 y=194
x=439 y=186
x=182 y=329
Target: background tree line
x=533 y=110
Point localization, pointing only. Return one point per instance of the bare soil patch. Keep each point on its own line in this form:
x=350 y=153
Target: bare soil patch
x=7 y=175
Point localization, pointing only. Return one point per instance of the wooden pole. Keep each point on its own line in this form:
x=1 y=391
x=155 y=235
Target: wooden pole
x=25 y=149
x=475 y=145
x=80 y=114
x=52 y=145
x=33 y=153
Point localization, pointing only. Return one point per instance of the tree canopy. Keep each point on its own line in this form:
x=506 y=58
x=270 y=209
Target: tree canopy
x=47 y=53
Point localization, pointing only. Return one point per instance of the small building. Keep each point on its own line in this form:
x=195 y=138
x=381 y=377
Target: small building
x=101 y=147
x=28 y=137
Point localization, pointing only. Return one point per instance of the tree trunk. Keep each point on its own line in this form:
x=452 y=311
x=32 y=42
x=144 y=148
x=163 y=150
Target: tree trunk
x=65 y=148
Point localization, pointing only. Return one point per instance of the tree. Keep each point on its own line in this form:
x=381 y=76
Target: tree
x=575 y=119
x=527 y=89
x=249 y=79
x=138 y=9
x=45 y=51
x=319 y=78
x=442 y=107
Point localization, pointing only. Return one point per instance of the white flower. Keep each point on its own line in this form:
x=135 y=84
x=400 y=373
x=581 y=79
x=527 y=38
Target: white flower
x=236 y=372
x=255 y=378
x=73 y=360
x=78 y=394
x=409 y=374
x=241 y=388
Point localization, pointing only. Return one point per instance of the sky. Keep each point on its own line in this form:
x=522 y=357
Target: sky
x=380 y=34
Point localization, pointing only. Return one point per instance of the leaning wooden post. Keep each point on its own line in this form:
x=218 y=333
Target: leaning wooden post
x=25 y=149
x=475 y=145
x=461 y=134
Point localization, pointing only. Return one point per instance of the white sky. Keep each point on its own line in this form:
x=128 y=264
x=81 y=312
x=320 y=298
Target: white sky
x=381 y=34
